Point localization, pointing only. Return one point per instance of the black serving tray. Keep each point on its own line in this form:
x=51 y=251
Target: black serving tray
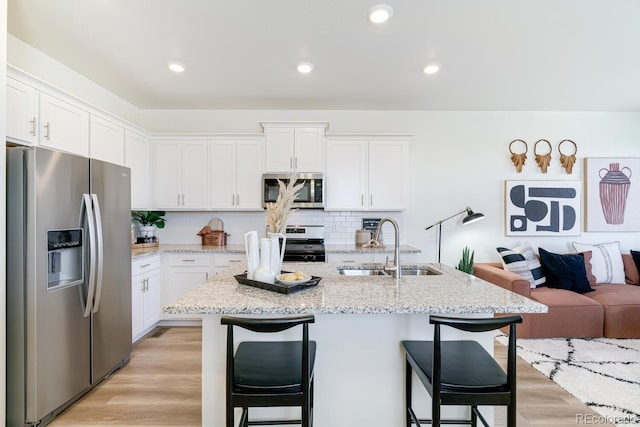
x=279 y=287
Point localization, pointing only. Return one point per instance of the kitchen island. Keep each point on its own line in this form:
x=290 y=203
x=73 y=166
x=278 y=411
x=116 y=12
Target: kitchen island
x=360 y=321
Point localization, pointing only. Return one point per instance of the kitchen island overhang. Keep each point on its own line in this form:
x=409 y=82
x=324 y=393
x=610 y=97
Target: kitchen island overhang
x=360 y=322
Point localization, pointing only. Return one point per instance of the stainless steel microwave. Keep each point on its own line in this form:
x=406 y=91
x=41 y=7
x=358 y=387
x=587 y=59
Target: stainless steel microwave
x=311 y=195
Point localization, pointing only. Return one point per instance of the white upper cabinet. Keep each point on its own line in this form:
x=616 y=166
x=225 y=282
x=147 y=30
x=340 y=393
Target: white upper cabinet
x=22 y=120
x=180 y=174
x=346 y=177
x=63 y=126
x=293 y=146
x=388 y=175
x=137 y=157
x=235 y=174
x=366 y=173
x=106 y=141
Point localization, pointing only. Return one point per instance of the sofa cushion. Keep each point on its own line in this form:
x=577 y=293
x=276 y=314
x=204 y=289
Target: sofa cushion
x=606 y=261
x=522 y=260
x=569 y=315
x=633 y=275
x=621 y=309
x=565 y=271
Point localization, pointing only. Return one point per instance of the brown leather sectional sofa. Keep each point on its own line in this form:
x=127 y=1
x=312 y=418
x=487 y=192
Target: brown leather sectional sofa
x=611 y=310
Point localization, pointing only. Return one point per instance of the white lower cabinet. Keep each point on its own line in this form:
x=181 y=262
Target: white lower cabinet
x=360 y=258
x=349 y=258
x=146 y=293
x=181 y=273
x=230 y=263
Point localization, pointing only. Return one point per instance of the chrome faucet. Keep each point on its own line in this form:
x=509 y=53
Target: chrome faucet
x=396 y=251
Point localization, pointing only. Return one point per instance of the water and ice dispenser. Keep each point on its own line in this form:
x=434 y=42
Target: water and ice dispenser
x=65 y=266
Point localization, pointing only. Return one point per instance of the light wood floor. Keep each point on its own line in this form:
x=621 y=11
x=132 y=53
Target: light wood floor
x=161 y=387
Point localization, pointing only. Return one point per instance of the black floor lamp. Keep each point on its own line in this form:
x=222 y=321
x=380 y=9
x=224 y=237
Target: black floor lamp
x=471 y=217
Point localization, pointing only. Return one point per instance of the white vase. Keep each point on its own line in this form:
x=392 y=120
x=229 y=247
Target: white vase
x=264 y=273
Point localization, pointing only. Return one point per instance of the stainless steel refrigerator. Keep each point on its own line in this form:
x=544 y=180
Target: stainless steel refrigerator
x=68 y=279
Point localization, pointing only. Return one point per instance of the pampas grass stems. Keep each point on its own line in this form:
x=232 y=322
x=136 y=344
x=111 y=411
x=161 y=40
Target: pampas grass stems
x=278 y=212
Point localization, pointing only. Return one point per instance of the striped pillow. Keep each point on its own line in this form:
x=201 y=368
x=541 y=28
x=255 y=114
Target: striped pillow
x=523 y=261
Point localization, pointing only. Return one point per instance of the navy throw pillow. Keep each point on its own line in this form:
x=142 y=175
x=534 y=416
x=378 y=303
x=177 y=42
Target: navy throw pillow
x=565 y=271
x=636 y=258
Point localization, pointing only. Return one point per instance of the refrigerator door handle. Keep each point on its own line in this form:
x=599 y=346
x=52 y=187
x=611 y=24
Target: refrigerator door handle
x=100 y=244
x=88 y=211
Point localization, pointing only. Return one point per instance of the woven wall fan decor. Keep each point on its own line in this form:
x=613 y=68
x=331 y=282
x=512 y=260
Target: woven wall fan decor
x=542 y=160
x=567 y=161
x=518 y=159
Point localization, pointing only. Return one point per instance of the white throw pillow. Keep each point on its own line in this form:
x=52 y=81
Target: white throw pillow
x=606 y=261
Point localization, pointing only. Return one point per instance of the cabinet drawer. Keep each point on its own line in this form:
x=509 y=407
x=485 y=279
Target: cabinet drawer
x=188 y=259
x=146 y=264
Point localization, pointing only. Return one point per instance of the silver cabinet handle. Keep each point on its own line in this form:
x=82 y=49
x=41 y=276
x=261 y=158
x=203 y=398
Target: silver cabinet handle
x=33 y=126
x=47 y=135
x=145 y=265
x=182 y=199
x=290 y=162
x=233 y=200
x=142 y=285
x=178 y=199
x=295 y=162
x=235 y=260
x=188 y=260
x=362 y=200
x=206 y=277
x=371 y=199
x=237 y=200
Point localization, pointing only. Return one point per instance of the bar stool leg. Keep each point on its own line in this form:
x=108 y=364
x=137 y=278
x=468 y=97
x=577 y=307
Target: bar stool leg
x=407 y=392
x=474 y=416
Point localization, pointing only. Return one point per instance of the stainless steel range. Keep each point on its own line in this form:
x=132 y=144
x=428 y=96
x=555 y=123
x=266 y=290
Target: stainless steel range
x=305 y=243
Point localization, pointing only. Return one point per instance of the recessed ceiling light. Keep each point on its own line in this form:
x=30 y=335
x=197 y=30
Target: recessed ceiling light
x=305 y=67
x=431 y=68
x=380 y=13
x=176 y=67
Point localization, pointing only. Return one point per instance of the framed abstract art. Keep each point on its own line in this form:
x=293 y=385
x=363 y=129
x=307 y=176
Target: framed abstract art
x=542 y=208
x=612 y=193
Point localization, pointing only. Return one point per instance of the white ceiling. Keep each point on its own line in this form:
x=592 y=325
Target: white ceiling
x=569 y=55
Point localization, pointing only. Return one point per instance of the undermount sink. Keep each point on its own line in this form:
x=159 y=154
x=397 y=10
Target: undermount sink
x=427 y=271
x=423 y=271
x=352 y=272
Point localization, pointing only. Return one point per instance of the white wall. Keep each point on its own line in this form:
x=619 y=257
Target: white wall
x=458 y=159
x=36 y=63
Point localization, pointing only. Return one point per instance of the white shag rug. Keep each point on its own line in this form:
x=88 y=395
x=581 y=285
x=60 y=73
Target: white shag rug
x=603 y=373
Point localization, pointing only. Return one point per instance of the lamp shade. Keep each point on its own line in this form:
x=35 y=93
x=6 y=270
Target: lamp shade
x=472 y=217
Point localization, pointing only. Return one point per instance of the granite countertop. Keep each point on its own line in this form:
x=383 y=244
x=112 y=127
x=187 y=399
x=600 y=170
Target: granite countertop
x=453 y=292
x=239 y=249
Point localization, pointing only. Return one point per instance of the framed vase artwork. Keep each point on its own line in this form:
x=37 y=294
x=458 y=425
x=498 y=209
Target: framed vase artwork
x=542 y=208
x=612 y=193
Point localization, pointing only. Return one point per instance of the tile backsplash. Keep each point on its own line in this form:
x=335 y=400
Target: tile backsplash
x=340 y=227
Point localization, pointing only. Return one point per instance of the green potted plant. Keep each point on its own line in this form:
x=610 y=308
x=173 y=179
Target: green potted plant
x=466 y=262
x=149 y=221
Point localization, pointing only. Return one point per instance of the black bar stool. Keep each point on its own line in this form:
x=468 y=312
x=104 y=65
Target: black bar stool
x=270 y=374
x=462 y=372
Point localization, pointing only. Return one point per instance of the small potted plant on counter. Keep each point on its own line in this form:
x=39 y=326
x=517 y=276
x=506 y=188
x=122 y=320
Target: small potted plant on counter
x=466 y=262
x=149 y=222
